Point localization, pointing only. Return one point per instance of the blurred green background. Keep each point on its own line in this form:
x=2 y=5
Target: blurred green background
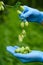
x=10 y=29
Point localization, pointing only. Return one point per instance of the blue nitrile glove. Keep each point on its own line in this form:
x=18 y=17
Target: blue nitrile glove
x=33 y=56
x=31 y=15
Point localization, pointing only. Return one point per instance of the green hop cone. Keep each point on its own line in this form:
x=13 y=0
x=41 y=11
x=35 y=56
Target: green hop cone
x=23 y=32
x=21 y=8
x=22 y=50
x=19 y=12
x=2 y=8
x=22 y=24
x=25 y=52
x=17 y=50
x=26 y=23
x=2 y=2
x=20 y=38
x=27 y=49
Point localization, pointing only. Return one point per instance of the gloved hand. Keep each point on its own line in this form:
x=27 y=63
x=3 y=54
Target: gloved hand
x=33 y=56
x=31 y=15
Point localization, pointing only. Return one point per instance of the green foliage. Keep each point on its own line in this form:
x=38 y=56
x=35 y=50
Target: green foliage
x=17 y=4
x=25 y=2
x=32 y=3
x=10 y=2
